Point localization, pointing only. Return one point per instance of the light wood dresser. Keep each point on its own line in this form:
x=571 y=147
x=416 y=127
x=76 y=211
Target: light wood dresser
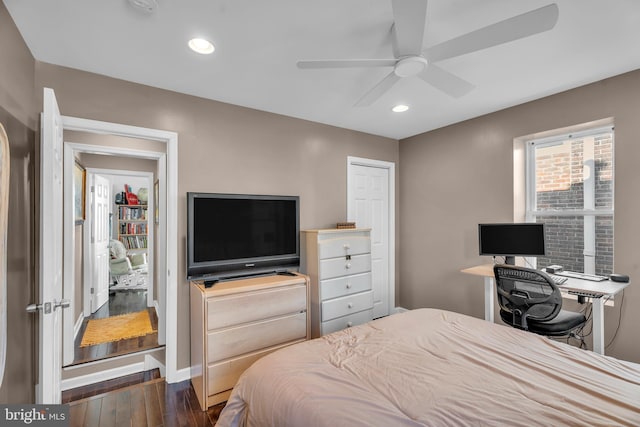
x=234 y=323
x=338 y=262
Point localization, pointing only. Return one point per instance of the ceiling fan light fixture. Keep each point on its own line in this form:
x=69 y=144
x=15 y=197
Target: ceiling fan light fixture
x=400 y=108
x=202 y=46
x=410 y=66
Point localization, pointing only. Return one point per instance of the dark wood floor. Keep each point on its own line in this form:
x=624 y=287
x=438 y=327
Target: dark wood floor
x=153 y=403
x=120 y=302
x=109 y=385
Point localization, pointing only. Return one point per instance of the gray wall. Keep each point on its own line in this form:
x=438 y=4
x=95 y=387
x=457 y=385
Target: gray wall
x=456 y=177
x=225 y=148
x=18 y=116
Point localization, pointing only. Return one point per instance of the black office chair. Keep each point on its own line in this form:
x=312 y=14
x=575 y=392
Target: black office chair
x=530 y=300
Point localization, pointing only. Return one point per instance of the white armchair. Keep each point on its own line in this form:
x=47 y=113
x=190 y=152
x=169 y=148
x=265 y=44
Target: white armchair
x=126 y=269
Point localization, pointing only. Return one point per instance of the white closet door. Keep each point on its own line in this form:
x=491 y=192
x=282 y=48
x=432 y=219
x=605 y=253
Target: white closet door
x=369 y=207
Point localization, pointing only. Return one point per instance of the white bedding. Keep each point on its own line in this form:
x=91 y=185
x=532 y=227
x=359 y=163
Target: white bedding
x=435 y=368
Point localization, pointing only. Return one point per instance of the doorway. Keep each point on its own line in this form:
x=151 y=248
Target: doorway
x=56 y=273
x=118 y=289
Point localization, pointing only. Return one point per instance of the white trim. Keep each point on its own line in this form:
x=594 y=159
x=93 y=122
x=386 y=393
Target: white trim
x=77 y=326
x=360 y=161
x=102 y=375
x=183 y=374
x=168 y=230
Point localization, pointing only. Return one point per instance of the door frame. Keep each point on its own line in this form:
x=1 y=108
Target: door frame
x=391 y=167
x=167 y=229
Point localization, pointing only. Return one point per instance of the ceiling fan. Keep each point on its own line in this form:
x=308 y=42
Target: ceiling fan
x=411 y=59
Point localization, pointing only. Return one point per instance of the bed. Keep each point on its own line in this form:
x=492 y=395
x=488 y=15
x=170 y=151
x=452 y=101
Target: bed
x=436 y=368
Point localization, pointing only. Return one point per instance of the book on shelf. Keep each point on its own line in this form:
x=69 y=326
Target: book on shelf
x=133 y=213
x=134 y=242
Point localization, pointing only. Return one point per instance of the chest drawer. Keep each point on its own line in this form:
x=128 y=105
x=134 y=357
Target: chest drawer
x=231 y=342
x=336 y=267
x=347 y=285
x=242 y=308
x=349 y=304
x=341 y=246
x=346 y=321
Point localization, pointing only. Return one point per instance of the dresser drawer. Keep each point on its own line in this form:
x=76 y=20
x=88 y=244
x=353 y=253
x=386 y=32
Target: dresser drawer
x=343 y=306
x=347 y=285
x=336 y=267
x=224 y=375
x=225 y=343
x=341 y=246
x=346 y=321
x=251 y=306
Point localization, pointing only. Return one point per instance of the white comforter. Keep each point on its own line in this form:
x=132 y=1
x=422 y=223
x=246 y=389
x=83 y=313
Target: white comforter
x=435 y=368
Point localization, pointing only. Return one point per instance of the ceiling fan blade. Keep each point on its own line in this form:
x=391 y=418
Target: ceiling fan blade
x=445 y=81
x=409 y=17
x=378 y=90
x=347 y=63
x=518 y=27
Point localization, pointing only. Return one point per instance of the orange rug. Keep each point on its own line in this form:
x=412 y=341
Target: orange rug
x=116 y=328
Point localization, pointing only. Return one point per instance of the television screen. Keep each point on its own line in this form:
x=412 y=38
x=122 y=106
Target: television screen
x=509 y=240
x=231 y=234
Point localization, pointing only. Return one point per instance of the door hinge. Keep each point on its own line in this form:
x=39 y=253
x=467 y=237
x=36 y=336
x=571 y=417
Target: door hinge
x=93 y=188
x=92 y=291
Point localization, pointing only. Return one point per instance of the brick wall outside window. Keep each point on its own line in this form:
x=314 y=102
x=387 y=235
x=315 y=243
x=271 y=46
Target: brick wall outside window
x=559 y=186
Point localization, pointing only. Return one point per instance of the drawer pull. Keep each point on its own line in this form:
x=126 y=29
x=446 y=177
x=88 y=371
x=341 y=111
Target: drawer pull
x=347 y=246
x=348 y=285
x=347 y=265
x=350 y=305
x=349 y=324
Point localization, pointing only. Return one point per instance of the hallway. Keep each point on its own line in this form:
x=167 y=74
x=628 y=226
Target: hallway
x=120 y=302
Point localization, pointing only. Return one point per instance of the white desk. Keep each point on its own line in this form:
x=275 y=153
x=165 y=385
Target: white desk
x=605 y=288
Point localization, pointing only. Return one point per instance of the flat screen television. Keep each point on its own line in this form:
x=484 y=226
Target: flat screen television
x=511 y=240
x=234 y=235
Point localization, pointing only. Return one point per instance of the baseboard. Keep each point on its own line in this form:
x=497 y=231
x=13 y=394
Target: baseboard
x=401 y=309
x=103 y=374
x=107 y=374
x=183 y=375
x=150 y=363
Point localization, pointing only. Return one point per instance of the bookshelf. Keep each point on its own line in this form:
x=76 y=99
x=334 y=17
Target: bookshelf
x=133 y=227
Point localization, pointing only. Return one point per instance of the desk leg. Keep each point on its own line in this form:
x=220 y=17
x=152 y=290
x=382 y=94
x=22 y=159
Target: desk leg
x=598 y=325
x=489 y=295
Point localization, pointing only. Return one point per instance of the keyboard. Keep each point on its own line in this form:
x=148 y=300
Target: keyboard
x=583 y=276
x=558 y=280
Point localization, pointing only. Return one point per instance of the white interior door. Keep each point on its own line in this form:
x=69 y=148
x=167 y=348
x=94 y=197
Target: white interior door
x=50 y=277
x=100 y=203
x=370 y=205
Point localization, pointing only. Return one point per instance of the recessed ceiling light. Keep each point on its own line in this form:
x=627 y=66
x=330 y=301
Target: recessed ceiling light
x=148 y=6
x=202 y=46
x=400 y=108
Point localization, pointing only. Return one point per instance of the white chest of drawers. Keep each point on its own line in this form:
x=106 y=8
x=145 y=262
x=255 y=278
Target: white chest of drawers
x=235 y=323
x=338 y=263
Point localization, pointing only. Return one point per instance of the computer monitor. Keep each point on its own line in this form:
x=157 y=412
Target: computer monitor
x=511 y=240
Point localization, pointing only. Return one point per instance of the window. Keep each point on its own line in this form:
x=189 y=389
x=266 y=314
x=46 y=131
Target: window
x=569 y=186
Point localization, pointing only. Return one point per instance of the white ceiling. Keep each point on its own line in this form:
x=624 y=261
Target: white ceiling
x=258 y=44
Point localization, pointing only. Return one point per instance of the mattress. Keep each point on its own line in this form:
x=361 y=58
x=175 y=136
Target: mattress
x=431 y=367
